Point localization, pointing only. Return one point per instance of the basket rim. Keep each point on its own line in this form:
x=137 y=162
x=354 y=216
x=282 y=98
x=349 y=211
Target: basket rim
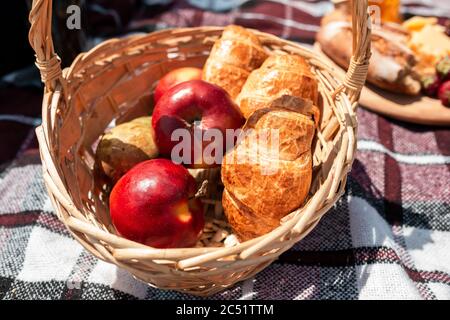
x=131 y=38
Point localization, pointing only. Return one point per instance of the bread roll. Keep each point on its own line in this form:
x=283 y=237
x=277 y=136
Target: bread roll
x=266 y=179
x=232 y=58
x=280 y=75
x=124 y=146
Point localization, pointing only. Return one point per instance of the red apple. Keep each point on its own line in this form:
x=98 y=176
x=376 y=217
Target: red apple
x=154 y=204
x=197 y=107
x=175 y=77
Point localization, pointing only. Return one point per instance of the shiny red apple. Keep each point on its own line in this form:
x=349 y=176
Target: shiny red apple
x=175 y=77
x=154 y=204
x=201 y=110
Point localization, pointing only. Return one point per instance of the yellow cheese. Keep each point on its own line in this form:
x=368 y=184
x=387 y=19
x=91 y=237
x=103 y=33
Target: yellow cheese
x=418 y=23
x=431 y=43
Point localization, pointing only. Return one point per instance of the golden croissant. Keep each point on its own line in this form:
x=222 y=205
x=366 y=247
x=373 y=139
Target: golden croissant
x=266 y=180
x=280 y=74
x=232 y=58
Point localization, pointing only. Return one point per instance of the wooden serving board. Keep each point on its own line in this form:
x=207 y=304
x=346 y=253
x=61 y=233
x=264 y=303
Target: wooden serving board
x=419 y=109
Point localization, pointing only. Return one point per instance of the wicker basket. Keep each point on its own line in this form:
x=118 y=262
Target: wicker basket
x=113 y=81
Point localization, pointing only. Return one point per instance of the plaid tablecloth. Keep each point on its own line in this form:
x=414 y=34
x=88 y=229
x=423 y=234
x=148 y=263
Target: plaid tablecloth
x=387 y=238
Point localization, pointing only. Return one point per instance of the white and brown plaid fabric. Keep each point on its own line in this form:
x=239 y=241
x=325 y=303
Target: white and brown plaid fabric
x=387 y=238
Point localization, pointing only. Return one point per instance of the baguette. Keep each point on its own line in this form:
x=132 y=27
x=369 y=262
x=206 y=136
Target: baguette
x=392 y=63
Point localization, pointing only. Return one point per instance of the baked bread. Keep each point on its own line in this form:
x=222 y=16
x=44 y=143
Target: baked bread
x=268 y=176
x=232 y=58
x=392 y=63
x=280 y=75
x=246 y=224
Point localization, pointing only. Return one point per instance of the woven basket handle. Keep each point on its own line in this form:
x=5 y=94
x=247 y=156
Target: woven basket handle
x=40 y=37
x=359 y=63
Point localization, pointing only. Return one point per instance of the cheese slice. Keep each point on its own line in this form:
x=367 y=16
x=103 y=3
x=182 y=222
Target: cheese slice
x=417 y=23
x=431 y=42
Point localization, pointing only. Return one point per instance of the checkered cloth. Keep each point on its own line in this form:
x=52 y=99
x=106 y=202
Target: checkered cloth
x=387 y=238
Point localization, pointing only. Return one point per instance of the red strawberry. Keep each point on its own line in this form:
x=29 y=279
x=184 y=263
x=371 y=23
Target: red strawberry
x=430 y=85
x=444 y=93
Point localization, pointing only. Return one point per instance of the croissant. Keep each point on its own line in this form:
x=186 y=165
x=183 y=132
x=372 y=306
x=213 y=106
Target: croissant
x=232 y=58
x=280 y=74
x=267 y=178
